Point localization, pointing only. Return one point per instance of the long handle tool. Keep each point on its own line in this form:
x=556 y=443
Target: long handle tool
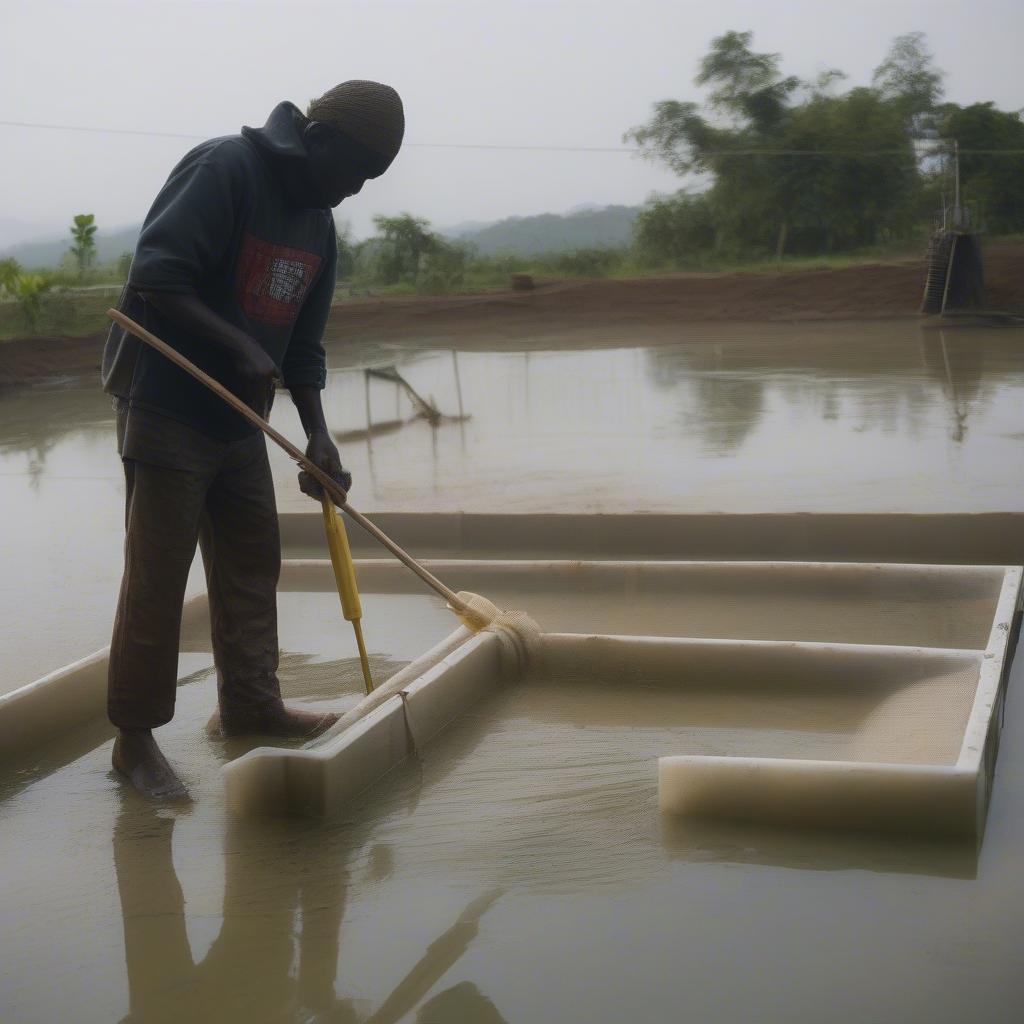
x=345 y=576
x=331 y=486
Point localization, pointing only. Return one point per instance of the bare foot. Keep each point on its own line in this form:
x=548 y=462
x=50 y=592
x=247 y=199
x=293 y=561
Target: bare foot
x=281 y=721
x=137 y=757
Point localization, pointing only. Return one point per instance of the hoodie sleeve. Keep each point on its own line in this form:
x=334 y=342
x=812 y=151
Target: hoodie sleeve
x=305 y=363
x=188 y=230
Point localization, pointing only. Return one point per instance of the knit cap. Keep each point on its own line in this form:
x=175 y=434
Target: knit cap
x=368 y=112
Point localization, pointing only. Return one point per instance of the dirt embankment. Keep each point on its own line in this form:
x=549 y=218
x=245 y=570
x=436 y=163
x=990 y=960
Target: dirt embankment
x=859 y=292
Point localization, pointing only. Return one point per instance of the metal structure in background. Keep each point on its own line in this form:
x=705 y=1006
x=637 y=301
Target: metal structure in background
x=955 y=277
x=423 y=408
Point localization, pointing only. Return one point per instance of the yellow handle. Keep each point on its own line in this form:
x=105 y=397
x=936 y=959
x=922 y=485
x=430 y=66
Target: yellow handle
x=345 y=576
x=341 y=559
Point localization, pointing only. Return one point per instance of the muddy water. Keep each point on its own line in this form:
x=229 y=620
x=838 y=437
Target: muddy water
x=62 y=494
x=738 y=418
x=857 y=417
x=517 y=870
x=788 y=608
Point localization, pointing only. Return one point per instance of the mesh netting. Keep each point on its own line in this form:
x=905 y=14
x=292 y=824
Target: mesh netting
x=922 y=723
x=518 y=634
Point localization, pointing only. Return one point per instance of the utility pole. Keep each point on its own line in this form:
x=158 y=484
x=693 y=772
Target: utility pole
x=957 y=213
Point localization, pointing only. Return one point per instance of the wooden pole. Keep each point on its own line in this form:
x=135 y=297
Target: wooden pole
x=957 y=219
x=949 y=274
x=458 y=383
x=331 y=486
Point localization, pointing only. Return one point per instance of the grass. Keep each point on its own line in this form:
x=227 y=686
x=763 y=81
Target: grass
x=72 y=312
x=837 y=261
x=493 y=273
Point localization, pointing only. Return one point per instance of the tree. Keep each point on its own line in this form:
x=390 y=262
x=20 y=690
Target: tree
x=442 y=269
x=993 y=179
x=909 y=81
x=10 y=268
x=404 y=241
x=747 y=85
x=346 y=251
x=407 y=252
x=841 y=199
x=83 y=230
x=672 y=229
x=791 y=169
x=749 y=89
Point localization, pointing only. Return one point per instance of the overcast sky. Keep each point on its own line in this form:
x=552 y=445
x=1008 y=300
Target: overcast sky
x=501 y=72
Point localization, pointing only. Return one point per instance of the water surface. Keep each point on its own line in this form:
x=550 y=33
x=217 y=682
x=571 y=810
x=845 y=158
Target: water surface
x=517 y=870
x=829 y=417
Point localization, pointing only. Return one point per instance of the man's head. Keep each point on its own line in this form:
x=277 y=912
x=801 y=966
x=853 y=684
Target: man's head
x=354 y=132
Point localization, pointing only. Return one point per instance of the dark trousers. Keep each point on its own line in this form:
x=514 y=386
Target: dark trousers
x=225 y=501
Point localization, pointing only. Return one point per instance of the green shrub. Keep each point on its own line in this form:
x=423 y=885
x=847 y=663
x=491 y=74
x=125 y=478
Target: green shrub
x=589 y=262
x=675 y=230
x=28 y=291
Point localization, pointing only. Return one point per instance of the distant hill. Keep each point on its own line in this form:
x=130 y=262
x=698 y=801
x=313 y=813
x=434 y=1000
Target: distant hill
x=585 y=228
x=48 y=252
x=13 y=231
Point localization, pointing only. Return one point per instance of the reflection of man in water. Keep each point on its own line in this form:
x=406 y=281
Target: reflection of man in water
x=235 y=268
x=275 y=958
x=247 y=973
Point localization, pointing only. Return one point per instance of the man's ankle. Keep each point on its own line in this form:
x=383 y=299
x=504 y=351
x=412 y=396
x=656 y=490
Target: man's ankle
x=135 y=734
x=236 y=716
x=274 y=718
x=137 y=756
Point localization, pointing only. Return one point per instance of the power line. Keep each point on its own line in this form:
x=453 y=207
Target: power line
x=536 y=148
x=95 y=131
x=92 y=130
x=937 y=149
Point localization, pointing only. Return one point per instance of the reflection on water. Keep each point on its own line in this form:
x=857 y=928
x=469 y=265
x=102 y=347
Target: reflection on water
x=605 y=912
x=247 y=973
x=816 y=849
x=959 y=369
x=869 y=417
x=854 y=417
x=711 y=393
x=722 y=404
x=516 y=870
x=524 y=803
x=275 y=956
x=872 y=383
x=62 y=494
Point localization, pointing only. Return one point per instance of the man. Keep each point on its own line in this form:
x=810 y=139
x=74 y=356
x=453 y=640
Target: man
x=235 y=268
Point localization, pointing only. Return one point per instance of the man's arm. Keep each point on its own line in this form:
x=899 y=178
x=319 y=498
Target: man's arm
x=305 y=375
x=255 y=368
x=321 y=449
x=185 y=240
x=258 y=374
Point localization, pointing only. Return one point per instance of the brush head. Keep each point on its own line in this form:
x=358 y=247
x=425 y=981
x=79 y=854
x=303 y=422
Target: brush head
x=518 y=633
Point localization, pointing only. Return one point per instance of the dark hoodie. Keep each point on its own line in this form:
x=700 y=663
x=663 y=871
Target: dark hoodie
x=233 y=225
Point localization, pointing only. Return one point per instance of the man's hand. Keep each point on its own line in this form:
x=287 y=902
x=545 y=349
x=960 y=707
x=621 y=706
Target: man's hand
x=323 y=453
x=258 y=376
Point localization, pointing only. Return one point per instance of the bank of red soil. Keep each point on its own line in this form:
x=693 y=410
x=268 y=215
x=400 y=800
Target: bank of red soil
x=36 y=358
x=851 y=293
x=866 y=291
